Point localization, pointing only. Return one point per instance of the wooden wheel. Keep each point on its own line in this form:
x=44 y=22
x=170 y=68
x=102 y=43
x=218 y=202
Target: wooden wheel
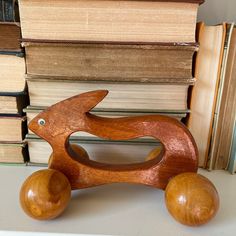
x=45 y=194
x=191 y=199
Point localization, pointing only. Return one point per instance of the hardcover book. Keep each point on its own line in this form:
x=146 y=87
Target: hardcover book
x=122 y=96
x=9 y=10
x=102 y=20
x=112 y=62
x=204 y=93
x=12 y=73
x=12 y=128
x=10 y=35
x=13 y=153
x=13 y=103
x=224 y=127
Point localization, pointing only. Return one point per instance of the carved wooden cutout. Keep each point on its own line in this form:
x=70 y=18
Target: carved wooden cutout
x=59 y=121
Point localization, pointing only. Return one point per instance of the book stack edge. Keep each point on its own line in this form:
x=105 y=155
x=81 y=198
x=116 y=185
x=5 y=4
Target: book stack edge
x=13 y=95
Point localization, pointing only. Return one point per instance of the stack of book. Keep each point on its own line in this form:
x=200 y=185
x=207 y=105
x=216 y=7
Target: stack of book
x=141 y=51
x=12 y=90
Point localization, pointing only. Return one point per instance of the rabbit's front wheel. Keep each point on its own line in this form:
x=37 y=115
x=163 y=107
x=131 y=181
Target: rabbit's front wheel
x=45 y=194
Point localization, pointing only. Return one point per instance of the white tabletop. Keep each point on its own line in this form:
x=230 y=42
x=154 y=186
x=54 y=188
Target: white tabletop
x=118 y=209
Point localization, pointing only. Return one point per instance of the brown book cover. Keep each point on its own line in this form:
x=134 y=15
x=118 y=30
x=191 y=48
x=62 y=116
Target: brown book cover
x=111 y=62
x=10 y=35
x=101 y=20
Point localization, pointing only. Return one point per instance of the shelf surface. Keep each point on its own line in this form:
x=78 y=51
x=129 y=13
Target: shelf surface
x=118 y=209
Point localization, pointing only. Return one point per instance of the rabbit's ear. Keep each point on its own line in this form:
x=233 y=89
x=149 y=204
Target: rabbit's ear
x=84 y=102
x=87 y=101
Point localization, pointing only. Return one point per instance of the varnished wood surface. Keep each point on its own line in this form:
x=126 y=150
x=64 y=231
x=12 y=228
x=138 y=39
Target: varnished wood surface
x=154 y=153
x=45 y=194
x=191 y=199
x=179 y=152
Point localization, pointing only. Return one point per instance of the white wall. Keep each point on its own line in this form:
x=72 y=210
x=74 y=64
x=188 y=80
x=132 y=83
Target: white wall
x=217 y=11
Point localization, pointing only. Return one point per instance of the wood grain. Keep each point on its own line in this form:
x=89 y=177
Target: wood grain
x=45 y=194
x=191 y=199
x=59 y=121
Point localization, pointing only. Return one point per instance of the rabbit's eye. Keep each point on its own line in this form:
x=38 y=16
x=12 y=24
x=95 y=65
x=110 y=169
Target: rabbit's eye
x=41 y=122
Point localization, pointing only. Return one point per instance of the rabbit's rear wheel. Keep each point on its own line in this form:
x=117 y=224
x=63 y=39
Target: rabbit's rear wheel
x=191 y=199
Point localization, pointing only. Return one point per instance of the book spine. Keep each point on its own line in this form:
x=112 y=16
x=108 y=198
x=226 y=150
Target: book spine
x=7 y=10
x=1 y=10
x=232 y=160
x=13 y=53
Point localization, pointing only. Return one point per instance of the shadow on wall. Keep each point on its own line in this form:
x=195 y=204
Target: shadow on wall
x=217 y=11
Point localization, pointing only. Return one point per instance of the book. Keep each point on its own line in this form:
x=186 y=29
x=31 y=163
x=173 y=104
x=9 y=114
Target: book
x=113 y=152
x=232 y=159
x=12 y=128
x=13 y=153
x=32 y=112
x=12 y=73
x=110 y=62
x=10 y=35
x=9 y=10
x=101 y=20
x=226 y=110
x=122 y=96
x=13 y=103
x=211 y=156
x=204 y=93
x=216 y=120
